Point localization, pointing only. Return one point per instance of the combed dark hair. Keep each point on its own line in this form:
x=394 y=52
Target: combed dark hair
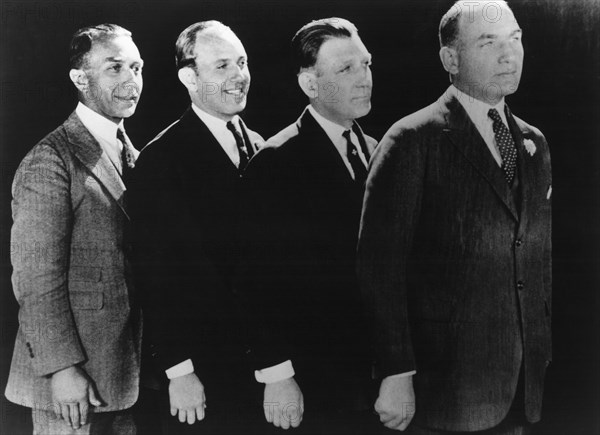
x=307 y=42
x=449 y=24
x=184 y=47
x=83 y=39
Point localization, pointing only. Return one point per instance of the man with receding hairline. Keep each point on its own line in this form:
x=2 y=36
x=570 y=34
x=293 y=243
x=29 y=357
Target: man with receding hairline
x=185 y=204
x=77 y=352
x=455 y=247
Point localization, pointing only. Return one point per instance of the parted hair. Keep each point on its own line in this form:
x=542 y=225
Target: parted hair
x=83 y=40
x=307 y=42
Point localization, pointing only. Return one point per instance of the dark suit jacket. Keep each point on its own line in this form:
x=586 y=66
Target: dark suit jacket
x=184 y=201
x=457 y=269
x=303 y=211
x=71 y=274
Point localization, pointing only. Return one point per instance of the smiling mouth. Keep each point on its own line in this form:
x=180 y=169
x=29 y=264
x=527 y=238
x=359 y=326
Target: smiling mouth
x=131 y=99
x=235 y=92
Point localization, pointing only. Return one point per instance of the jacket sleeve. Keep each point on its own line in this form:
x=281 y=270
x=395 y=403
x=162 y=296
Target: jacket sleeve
x=389 y=220
x=40 y=248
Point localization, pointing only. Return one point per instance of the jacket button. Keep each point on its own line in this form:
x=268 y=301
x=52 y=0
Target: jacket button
x=520 y=285
x=518 y=243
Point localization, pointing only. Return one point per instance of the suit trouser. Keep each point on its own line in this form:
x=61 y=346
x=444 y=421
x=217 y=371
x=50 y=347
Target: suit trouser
x=100 y=423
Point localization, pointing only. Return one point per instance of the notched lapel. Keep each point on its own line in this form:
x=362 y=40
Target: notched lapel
x=464 y=135
x=527 y=174
x=92 y=156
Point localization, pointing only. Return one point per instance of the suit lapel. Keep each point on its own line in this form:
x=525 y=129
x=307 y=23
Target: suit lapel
x=464 y=135
x=526 y=172
x=92 y=156
x=321 y=151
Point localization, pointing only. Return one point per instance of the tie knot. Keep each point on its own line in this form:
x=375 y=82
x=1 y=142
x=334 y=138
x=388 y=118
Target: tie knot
x=232 y=128
x=494 y=115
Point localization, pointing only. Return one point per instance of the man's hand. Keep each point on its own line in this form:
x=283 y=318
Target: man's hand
x=72 y=393
x=283 y=403
x=186 y=396
x=396 y=402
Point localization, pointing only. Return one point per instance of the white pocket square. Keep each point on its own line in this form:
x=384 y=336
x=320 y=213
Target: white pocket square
x=549 y=194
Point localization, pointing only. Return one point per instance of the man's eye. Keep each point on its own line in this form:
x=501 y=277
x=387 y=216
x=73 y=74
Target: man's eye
x=116 y=68
x=345 y=69
x=223 y=66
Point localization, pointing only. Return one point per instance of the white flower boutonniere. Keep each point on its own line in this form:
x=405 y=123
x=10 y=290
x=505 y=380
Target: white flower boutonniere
x=529 y=146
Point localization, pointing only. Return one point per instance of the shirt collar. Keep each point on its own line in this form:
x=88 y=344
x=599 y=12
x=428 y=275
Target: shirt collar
x=476 y=109
x=213 y=123
x=333 y=130
x=97 y=124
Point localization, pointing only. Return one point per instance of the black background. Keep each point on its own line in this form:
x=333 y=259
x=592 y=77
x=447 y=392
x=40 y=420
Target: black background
x=559 y=93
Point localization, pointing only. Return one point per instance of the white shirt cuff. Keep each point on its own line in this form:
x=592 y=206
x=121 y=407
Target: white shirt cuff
x=183 y=368
x=403 y=375
x=276 y=373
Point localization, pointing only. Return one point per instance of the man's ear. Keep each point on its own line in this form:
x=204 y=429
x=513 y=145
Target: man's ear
x=187 y=76
x=308 y=83
x=449 y=58
x=79 y=79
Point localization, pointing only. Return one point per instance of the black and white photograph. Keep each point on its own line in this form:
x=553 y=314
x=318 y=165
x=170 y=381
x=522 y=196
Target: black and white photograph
x=311 y=217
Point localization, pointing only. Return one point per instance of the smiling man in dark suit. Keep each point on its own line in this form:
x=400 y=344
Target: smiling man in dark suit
x=304 y=196
x=185 y=208
x=77 y=351
x=455 y=246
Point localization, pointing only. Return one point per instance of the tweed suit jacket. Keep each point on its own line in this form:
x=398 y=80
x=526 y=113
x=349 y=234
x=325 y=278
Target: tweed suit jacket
x=71 y=274
x=456 y=268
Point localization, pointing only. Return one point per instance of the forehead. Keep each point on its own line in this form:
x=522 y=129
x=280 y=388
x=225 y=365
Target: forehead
x=487 y=18
x=214 y=44
x=121 y=47
x=336 y=50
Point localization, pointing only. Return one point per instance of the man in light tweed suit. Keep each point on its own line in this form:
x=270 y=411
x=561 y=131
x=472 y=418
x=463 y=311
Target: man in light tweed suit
x=77 y=352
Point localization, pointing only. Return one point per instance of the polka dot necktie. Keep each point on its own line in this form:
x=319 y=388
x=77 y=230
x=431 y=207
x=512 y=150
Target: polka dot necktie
x=506 y=145
x=358 y=167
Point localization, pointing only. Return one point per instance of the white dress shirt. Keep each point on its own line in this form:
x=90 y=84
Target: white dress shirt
x=478 y=113
x=219 y=130
x=335 y=133
x=104 y=131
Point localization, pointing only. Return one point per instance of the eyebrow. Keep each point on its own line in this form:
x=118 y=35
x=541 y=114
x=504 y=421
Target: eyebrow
x=495 y=36
x=121 y=60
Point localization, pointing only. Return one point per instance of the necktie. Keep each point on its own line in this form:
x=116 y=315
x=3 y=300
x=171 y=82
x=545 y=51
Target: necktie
x=358 y=167
x=127 y=156
x=241 y=146
x=506 y=145
x=361 y=139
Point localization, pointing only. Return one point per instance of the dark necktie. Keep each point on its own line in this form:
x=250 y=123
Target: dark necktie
x=241 y=146
x=506 y=145
x=127 y=156
x=358 y=167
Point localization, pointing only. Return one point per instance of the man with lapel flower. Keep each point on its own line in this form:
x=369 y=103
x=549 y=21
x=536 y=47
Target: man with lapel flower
x=455 y=244
x=77 y=353
x=186 y=203
x=304 y=195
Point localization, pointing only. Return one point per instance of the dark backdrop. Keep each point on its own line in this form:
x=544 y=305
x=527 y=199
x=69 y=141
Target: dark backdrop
x=559 y=93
